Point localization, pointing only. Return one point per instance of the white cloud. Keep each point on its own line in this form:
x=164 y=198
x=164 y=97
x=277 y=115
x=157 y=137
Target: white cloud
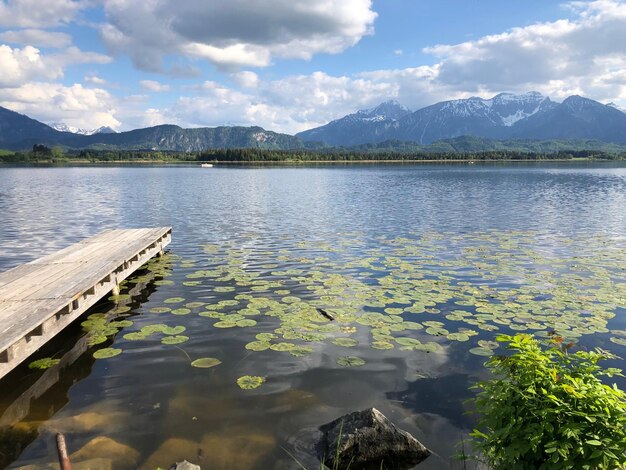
x=73 y=55
x=38 y=13
x=74 y=105
x=19 y=66
x=235 y=34
x=152 y=85
x=585 y=54
x=245 y=79
x=96 y=80
x=37 y=37
x=277 y=105
x=398 y=52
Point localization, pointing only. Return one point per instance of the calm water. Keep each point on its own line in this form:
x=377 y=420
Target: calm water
x=543 y=245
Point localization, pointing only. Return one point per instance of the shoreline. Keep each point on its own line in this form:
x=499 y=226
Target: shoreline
x=72 y=162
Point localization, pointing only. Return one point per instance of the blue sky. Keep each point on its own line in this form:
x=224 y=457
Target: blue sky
x=289 y=65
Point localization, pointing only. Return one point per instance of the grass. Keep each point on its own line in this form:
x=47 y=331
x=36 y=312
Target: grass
x=322 y=464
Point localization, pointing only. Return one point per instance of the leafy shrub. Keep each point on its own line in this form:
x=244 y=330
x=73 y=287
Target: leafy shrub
x=546 y=408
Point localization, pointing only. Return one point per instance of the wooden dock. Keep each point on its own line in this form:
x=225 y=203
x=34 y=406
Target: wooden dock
x=40 y=298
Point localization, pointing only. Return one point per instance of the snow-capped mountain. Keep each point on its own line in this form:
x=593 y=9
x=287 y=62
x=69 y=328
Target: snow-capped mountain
x=388 y=111
x=357 y=128
x=576 y=117
x=492 y=118
x=505 y=116
x=62 y=127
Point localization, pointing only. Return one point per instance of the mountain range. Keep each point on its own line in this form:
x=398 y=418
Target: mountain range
x=505 y=117
x=62 y=127
x=19 y=132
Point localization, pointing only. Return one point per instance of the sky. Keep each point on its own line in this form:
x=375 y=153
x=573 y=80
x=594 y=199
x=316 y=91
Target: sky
x=291 y=65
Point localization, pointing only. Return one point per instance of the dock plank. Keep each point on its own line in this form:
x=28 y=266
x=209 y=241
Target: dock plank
x=40 y=298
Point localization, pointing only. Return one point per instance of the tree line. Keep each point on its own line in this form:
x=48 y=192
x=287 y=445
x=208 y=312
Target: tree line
x=41 y=153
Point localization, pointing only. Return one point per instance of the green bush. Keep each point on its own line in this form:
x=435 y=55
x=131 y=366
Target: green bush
x=546 y=408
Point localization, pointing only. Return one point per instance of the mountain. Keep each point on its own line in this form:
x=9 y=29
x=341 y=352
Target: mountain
x=472 y=144
x=491 y=118
x=505 y=116
x=19 y=132
x=576 y=117
x=613 y=105
x=62 y=127
x=361 y=127
x=170 y=137
x=15 y=127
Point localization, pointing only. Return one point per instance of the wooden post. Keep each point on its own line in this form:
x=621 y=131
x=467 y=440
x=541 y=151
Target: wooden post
x=116 y=290
x=64 y=460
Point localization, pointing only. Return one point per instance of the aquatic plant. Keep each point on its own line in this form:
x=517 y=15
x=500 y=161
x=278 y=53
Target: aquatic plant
x=106 y=353
x=44 y=363
x=547 y=407
x=249 y=382
x=206 y=362
x=350 y=361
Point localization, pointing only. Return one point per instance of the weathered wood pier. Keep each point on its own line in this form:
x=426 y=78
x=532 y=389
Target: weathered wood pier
x=39 y=299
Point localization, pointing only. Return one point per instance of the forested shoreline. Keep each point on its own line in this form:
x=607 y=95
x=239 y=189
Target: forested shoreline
x=41 y=154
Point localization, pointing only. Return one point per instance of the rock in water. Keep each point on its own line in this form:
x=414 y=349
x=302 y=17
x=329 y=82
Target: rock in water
x=184 y=465
x=366 y=439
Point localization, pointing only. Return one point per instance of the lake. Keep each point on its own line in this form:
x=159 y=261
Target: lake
x=421 y=266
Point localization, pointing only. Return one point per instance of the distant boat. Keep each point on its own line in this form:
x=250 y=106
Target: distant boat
x=207 y=165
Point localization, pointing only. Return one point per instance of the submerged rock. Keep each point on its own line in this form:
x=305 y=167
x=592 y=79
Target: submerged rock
x=367 y=439
x=121 y=455
x=172 y=450
x=237 y=449
x=88 y=422
x=184 y=465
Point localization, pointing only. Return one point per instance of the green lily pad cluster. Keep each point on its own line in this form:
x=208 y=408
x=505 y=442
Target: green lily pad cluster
x=99 y=328
x=44 y=363
x=172 y=333
x=419 y=293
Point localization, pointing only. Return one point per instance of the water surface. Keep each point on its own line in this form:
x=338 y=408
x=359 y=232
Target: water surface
x=393 y=252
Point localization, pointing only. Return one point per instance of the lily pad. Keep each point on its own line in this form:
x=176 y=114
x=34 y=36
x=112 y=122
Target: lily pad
x=350 y=361
x=206 y=362
x=300 y=351
x=174 y=300
x=258 y=345
x=44 y=363
x=620 y=341
x=481 y=351
x=175 y=339
x=249 y=382
x=181 y=311
x=96 y=339
x=106 y=353
x=135 y=336
x=345 y=342
x=282 y=347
